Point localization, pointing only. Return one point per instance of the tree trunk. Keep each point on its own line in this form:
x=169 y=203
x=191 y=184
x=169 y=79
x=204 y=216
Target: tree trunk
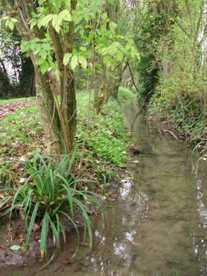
x=59 y=118
x=56 y=88
x=115 y=82
x=101 y=93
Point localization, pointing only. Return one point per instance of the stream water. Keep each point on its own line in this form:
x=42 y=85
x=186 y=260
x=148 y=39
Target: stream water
x=157 y=227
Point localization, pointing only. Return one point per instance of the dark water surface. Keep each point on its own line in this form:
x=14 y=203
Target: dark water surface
x=158 y=225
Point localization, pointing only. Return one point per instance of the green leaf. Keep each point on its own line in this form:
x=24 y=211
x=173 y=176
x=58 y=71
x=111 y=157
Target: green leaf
x=10 y=22
x=74 y=62
x=44 y=21
x=83 y=62
x=66 y=58
x=32 y=222
x=56 y=22
x=65 y=15
x=44 y=234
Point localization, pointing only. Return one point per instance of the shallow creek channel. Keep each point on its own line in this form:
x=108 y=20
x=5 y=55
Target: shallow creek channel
x=158 y=225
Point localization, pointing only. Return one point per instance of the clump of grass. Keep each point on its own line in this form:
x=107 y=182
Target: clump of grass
x=51 y=198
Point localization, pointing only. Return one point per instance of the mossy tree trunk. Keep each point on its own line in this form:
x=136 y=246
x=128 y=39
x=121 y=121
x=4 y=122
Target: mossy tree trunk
x=156 y=19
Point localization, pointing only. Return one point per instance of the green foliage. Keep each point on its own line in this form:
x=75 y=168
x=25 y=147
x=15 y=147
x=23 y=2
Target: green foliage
x=24 y=131
x=20 y=127
x=105 y=133
x=20 y=133
x=9 y=22
x=63 y=38
x=118 y=52
x=125 y=94
x=154 y=21
x=74 y=61
x=96 y=31
x=42 y=49
x=56 y=20
x=52 y=198
x=181 y=93
x=6 y=174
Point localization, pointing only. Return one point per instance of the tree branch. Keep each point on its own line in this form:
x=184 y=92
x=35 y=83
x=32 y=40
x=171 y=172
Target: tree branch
x=132 y=77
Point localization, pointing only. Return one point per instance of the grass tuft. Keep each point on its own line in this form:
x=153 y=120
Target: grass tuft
x=51 y=198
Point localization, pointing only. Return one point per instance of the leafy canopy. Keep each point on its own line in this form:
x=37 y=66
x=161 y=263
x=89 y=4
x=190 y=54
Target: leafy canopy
x=94 y=32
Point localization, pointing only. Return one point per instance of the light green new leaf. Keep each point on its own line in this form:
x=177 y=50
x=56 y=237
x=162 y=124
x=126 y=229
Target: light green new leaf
x=44 y=21
x=57 y=19
x=65 y=15
x=66 y=58
x=83 y=62
x=56 y=22
x=10 y=22
x=74 y=62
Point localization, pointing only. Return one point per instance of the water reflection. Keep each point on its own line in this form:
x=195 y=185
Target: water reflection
x=115 y=239
x=200 y=239
x=126 y=186
x=202 y=210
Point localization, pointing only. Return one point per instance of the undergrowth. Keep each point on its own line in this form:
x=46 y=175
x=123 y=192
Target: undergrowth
x=102 y=139
x=125 y=95
x=20 y=133
x=20 y=127
x=52 y=194
x=104 y=133
x=52 y=199
x=185 y=116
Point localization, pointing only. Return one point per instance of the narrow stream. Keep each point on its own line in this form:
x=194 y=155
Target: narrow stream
x=158 y=227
